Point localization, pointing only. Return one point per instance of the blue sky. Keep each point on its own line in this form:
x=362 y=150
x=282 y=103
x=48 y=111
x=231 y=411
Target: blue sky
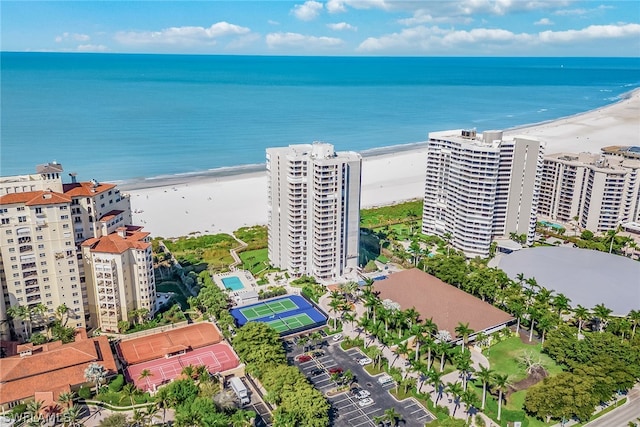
x=333 y=27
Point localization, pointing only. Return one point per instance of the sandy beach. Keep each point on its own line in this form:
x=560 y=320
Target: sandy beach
x=222 y=201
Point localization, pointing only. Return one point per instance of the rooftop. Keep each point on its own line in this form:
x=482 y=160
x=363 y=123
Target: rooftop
x=125 y=238
x=52 y=366
x=585 y=276
x=86 y=189
x=446 y=305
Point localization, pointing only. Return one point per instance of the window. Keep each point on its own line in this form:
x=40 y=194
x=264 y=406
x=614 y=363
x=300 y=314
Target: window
x=39 y=238
x=38 y=210
x=9 y=240
x=5 y=221
x=46 y=279
x=18 y=291
x=42 y=255
x=13 y=258
x=12 y=249
x=63 y=208
x=3 y=210
x=76 y=301
x=65 y=225
x=64 y=217
x=45 y=271
x=75 y=294
x=47 y=295
x=16 y=274
x=22 y=219
x=14 y=267
x=21 y=208
x=43 y=263
x=9 y=232
x=40 y=246
x=70 y=262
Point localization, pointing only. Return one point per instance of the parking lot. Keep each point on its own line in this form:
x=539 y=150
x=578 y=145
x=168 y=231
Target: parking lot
x=346 y=408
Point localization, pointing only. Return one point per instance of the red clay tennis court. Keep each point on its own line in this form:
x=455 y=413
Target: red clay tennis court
x=216 y=357
x=170 y=342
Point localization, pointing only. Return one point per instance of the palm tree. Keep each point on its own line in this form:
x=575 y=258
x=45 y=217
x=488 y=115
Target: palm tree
x=129 y=391
x=34 y=409
x=463 y=364
x=376 y=354
x=401 y=350
x=634 y=318
x=392 y=416
x=62 y=312
x=21 y=312
x=455 y=389
x=601 y=314
x=144 y=375
x=611 y=235
x=163 y=401
x=66 y=399
x=500 y=382
x=471 y=401
x=436 y=380
x=96 y=374
x=561 y=303
x=581 y=314
x=463 y=330
x=545 y=323
x=484 y=374
x=72 y=415
x=188 y=371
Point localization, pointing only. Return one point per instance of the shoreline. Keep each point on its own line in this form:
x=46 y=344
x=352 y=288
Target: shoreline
x=225 y=199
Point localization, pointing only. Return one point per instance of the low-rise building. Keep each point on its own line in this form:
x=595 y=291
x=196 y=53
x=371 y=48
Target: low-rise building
x=44 y=371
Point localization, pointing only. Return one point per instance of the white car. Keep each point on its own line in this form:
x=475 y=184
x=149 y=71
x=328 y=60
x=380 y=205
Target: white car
x=365 y=361
x=366 y=402
x=337 y=337
x=362 y=394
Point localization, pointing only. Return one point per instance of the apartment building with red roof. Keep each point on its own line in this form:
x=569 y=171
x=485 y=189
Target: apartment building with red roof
x=45 y=371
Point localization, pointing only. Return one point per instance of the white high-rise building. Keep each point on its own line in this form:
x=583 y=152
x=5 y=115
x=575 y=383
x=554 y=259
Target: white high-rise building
x=314 y=209
x=601 y=191
x=43 y=223
x=481 y=187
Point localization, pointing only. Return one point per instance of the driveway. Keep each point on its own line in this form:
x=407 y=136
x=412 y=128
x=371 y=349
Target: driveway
x=345 y=408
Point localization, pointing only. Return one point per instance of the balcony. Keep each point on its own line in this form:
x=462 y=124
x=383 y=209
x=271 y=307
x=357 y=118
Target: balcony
x=22 y=240
x=26 y=248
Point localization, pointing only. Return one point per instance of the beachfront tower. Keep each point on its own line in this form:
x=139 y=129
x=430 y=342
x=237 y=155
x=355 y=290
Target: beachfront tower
x=600 y=191
x=480 y=187
x=314 y=209
x=43 y=224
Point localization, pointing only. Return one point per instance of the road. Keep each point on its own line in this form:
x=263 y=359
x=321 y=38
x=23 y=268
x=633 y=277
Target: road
x=621 y=416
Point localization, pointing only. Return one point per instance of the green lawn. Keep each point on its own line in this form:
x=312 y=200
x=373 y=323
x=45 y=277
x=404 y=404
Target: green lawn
x=388 y=215
x=255 y=261
x=504 y=358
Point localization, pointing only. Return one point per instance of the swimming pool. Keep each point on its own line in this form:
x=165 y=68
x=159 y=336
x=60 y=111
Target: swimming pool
x=232 y=282
x=551 y=224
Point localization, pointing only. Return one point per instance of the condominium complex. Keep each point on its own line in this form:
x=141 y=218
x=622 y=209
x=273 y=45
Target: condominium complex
x=121 y=278
x=481 y=187
x=600 y=191
x=43 y=223
x=314 y=209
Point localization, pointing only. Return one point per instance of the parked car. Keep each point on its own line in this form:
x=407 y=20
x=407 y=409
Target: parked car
x=337 y=337
x=317 y=371
x=304 y=358
x=318 y=353
x=365 y=361
x=363 y=394
x=355 y=390
x=335 y=370
x=366 y=402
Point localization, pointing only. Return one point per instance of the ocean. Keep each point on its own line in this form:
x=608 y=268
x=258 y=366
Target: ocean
x=120 y=117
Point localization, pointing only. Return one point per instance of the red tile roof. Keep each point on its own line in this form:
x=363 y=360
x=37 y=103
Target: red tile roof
x=85 y=189
x=35 y=198
x=52 y=369
x=110 y=215
x=114 y=243
x=445 y=304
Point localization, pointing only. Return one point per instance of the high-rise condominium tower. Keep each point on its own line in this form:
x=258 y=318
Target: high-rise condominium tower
x=481 y=187
x=600 y=191
x=314 y=209
x=43 y=224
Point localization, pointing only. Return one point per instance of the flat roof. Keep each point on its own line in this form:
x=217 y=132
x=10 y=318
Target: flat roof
x=446 y=305
x=586 y=277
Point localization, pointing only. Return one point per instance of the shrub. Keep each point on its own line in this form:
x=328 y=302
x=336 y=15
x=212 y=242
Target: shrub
x=19 y=409
x=117 y=383
x=84 y=393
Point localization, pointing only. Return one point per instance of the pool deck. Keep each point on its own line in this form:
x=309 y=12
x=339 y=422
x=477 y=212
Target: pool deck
x=248 y=282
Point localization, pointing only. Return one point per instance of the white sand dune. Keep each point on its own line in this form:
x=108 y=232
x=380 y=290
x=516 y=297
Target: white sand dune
x=214 y=203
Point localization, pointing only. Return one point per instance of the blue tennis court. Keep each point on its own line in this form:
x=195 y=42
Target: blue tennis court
x=286 y=315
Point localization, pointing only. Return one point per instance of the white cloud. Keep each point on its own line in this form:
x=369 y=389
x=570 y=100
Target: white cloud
x=543 y=21
x=422 y=39
x=342 y=26
x=424 y=17
x=590 y=33
x=336 y=6
x=92 y=48
x=182 y=36
x=72 y=37
x=307 y=11
x=272 y=22
x=276 y=40
x=570 y=12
